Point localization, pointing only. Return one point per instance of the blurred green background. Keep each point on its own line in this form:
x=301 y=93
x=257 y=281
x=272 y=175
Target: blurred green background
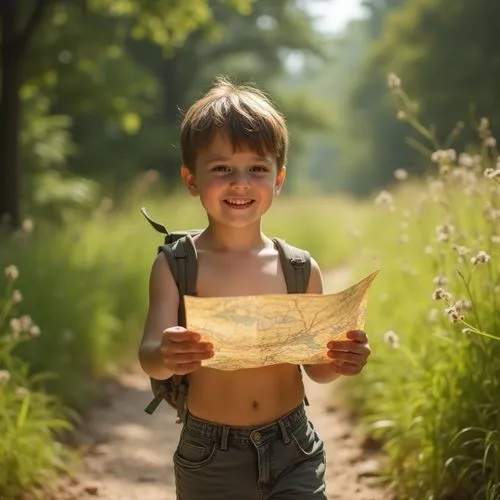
x=92 y=93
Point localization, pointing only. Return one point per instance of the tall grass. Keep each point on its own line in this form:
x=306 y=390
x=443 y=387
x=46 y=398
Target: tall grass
x=29 y=417
x=432 y=390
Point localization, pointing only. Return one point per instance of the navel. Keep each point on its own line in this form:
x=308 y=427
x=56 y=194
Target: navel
x=255 y=405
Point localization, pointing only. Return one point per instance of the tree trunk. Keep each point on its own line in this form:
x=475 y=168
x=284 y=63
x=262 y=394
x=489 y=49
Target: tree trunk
x=10 y=174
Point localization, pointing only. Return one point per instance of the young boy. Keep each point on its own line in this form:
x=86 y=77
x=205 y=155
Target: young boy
x=245 y=434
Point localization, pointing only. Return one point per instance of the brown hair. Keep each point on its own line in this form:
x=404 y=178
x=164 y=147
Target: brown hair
x=242 y=112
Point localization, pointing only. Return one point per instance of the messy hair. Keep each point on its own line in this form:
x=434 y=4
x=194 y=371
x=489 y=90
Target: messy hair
x=241 y=112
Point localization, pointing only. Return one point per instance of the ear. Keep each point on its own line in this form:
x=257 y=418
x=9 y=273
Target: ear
x=280 y=179
x=189 y=180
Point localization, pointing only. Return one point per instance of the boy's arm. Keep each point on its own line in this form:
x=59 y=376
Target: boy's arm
x=351 y=360
x=162 y=314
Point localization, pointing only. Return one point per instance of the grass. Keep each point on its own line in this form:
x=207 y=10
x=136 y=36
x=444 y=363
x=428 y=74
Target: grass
x=29 y=417
x=431 y=393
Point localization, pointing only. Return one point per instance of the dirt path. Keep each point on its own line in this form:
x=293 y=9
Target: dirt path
x=128 y=454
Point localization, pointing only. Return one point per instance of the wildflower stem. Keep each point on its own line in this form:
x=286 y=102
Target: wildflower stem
x=479 y=332
x=6 y=306
x=413 y=121
x=471 y=298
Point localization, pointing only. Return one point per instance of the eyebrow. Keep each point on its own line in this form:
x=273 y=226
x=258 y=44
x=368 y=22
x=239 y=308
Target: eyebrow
x=213 y=159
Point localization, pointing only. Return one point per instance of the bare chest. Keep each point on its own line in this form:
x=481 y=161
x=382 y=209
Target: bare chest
x=224 y=275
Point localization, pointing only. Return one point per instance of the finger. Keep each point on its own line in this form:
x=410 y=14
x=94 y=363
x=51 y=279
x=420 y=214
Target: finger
x=180 y=334
x=185 y=347
x=347 y=346
x=346 y=357
x=190 y=357
x=357 y=336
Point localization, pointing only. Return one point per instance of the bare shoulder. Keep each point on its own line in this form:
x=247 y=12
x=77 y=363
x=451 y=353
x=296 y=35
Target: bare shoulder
x=161 y=280
x=163 y=299
x=316 y=278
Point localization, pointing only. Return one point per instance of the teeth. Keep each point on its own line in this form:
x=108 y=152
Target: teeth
x=239 y=202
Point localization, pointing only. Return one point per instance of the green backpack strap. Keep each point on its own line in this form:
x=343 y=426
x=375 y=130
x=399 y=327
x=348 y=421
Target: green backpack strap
x=296 y=265
x=183 y=262
x=182 y=259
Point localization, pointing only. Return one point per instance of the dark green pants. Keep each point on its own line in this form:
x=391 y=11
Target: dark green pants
x=284 y=460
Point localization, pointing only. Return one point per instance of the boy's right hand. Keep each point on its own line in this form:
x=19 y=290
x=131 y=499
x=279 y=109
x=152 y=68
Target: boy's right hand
x=182 y=350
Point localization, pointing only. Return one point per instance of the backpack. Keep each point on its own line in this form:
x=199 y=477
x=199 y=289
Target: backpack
x=180 y=253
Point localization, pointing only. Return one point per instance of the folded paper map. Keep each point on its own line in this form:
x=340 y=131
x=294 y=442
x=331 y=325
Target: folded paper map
x=260 y=330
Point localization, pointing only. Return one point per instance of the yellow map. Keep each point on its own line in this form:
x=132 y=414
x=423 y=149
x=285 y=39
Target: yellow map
x=261 y=330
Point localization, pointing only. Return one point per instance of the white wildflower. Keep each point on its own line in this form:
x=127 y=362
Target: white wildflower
x=454 y=314
x=391 y=338
x=492 y=173
x=444 y=232
x=461 y=250
x=15 y=326
x=466 y=160
x=384 y=197
x=34 y=331
x=27 y=226
x=441 y=294
x=4 y=376
x=490 y=142
x=12 y=273
x=440 y=281
x=17 y=297
x=480 y=258
x=26 y=322
x=444 y=156
x=463 y=305
x=400 y=174
x=393 y=81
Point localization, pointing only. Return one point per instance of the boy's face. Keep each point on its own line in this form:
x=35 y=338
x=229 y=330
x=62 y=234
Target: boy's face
x=236 y=187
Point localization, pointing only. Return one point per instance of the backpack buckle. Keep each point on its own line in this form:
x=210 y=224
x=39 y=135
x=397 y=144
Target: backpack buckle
x=297 y=262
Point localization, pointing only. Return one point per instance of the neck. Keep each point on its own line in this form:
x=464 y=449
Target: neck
x=223 y=238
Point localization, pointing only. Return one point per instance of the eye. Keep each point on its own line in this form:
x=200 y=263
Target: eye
x=220 y=168
x=260 y=168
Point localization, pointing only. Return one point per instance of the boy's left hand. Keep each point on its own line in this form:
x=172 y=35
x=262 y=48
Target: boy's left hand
x=350 y=356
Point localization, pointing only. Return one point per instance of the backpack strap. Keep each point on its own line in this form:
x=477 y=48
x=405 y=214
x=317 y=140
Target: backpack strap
x=182 y=260
x=296 y=265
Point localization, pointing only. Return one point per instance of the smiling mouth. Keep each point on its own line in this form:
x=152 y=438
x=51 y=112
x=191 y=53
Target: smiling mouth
x=239 y=203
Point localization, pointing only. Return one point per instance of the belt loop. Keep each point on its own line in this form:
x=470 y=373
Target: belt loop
x=224 y=437
x=284 y=431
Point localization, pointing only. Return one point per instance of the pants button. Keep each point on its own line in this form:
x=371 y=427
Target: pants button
x=256 y=436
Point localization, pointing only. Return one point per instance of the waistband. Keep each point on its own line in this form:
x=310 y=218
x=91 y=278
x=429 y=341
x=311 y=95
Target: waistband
x=243 y=435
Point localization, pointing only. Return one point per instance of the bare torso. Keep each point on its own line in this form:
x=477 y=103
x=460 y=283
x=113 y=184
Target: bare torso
x=249 y=396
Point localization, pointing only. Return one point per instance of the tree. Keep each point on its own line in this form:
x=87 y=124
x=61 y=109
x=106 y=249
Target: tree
x=162 y=22
x=13 y=48
x=446 y=53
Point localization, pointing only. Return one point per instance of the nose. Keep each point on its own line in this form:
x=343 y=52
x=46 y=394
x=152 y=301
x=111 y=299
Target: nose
x=240 y=181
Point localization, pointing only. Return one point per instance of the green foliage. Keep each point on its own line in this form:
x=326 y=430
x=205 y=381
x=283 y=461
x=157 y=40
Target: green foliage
x=435 y=381
x=29 y=417
x=455 y=76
